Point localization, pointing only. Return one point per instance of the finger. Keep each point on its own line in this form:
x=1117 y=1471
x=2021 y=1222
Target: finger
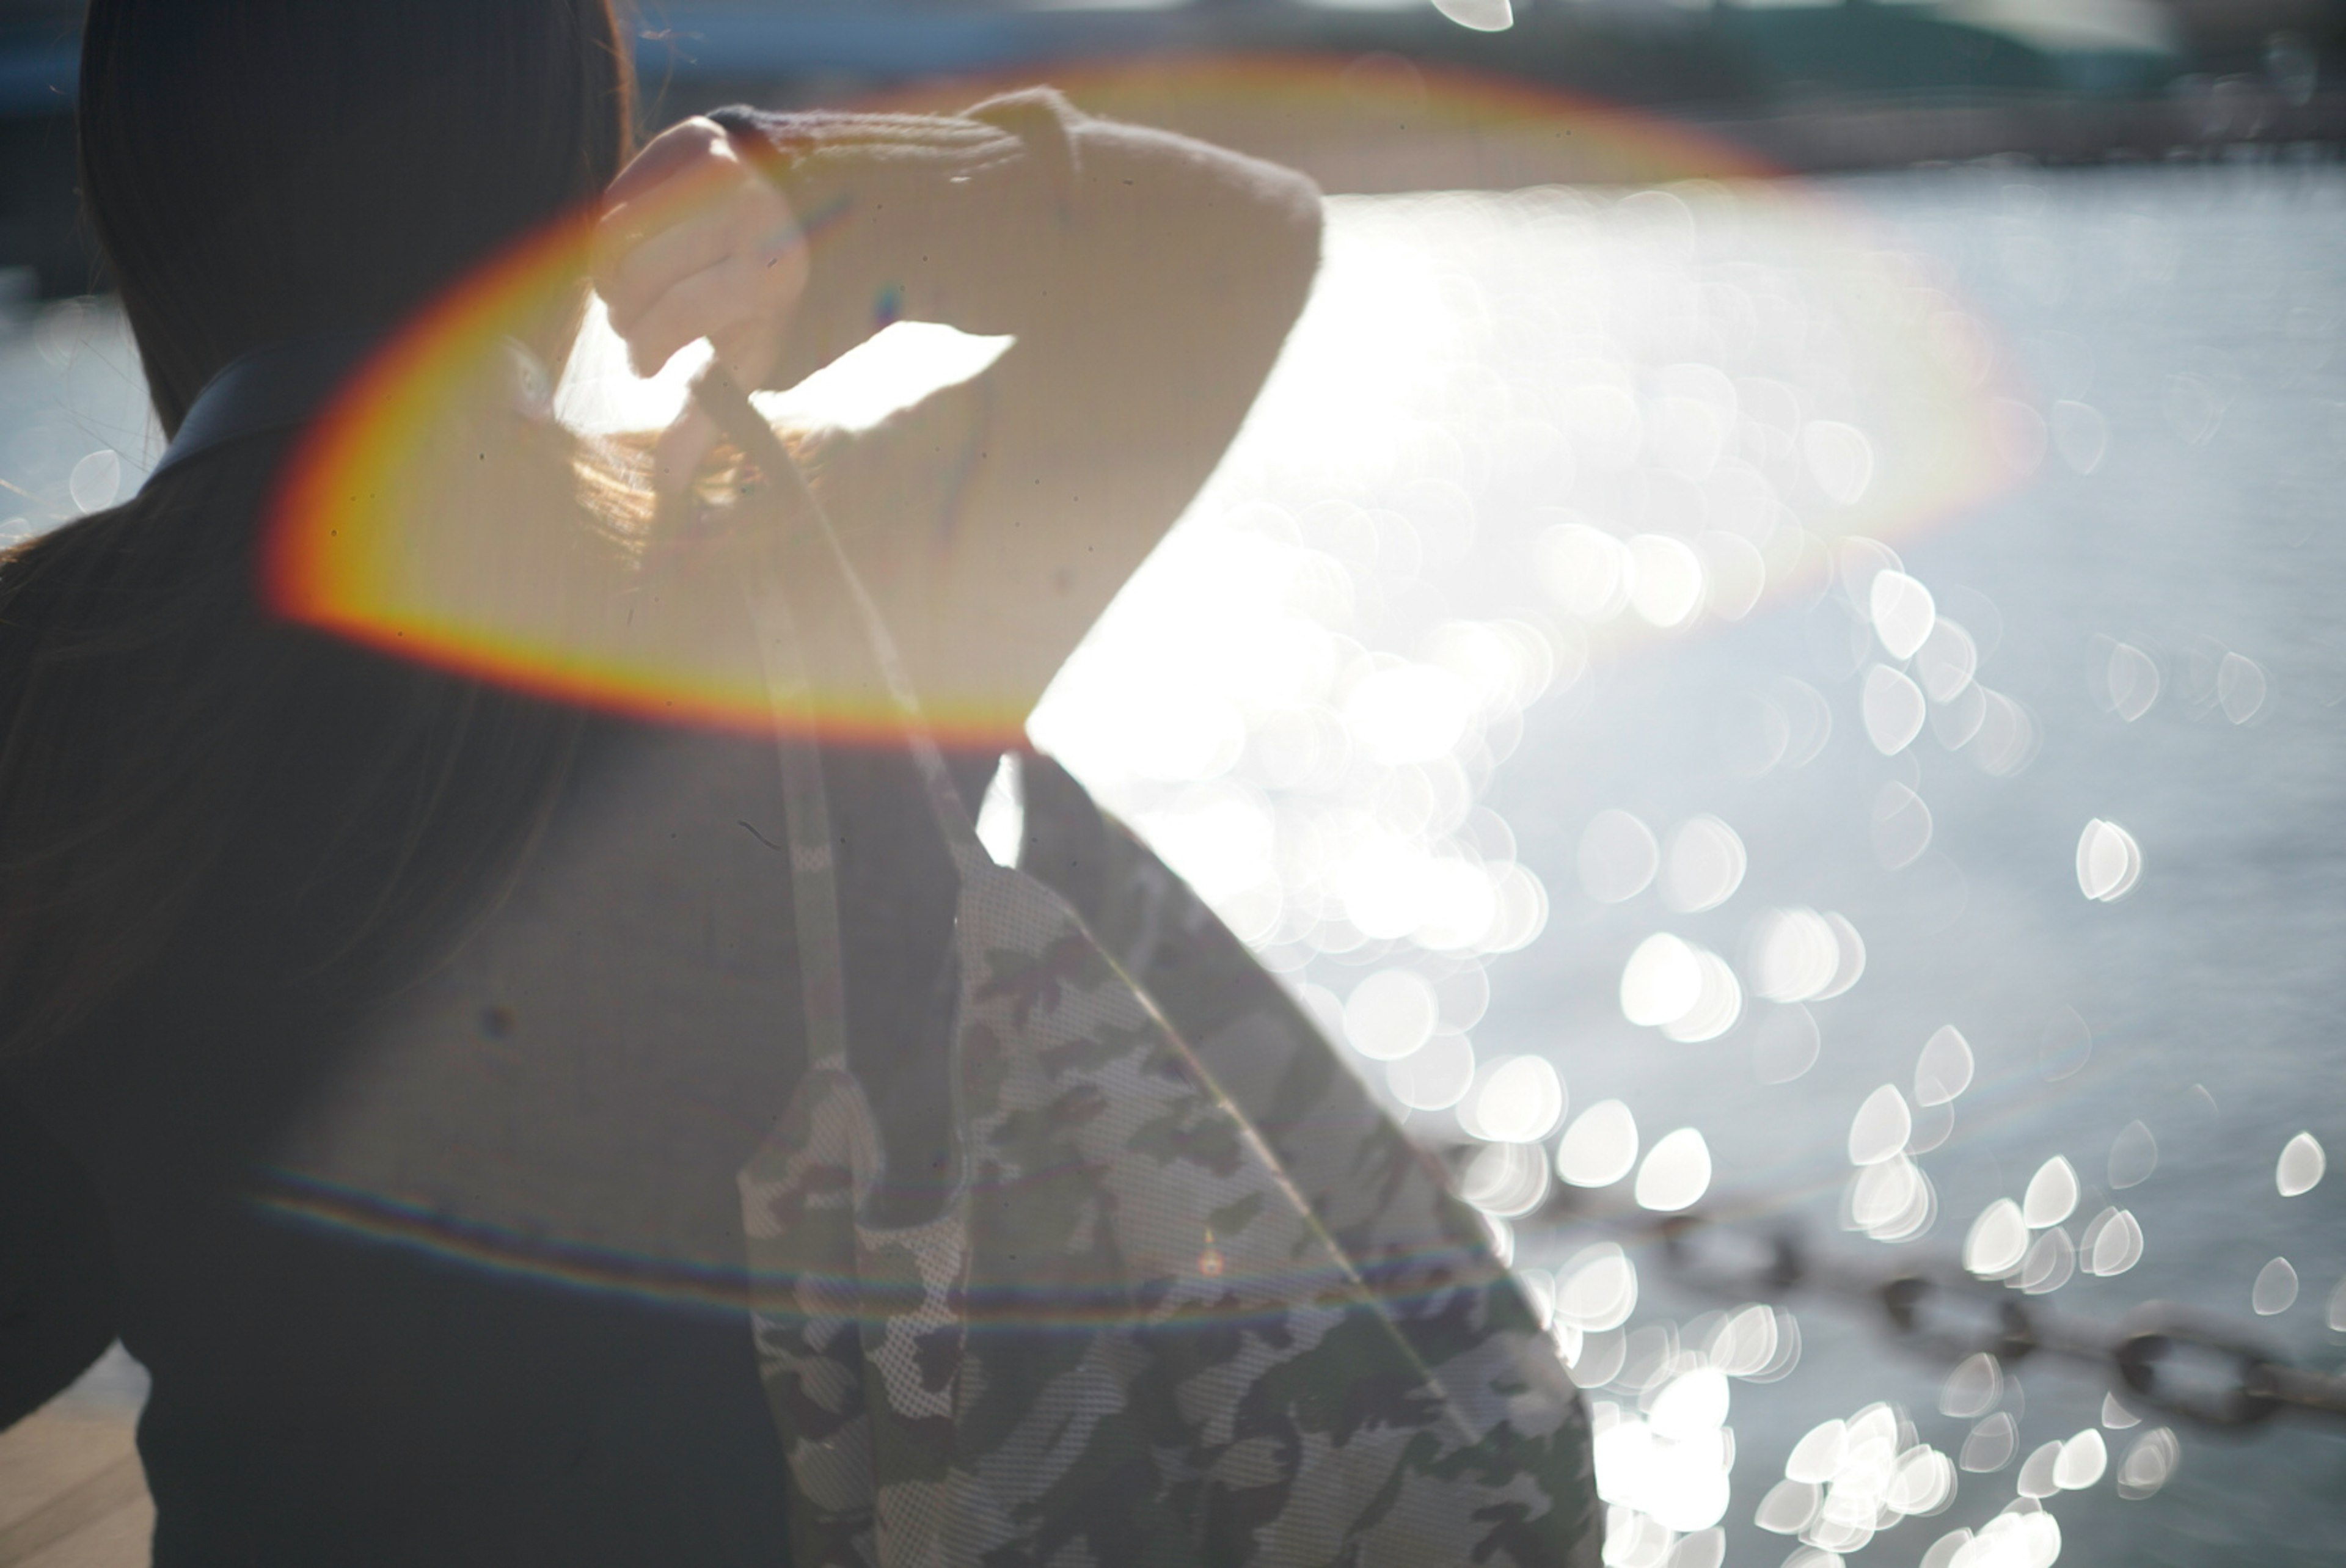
x=689 y=209
x=681 y=145
x=748 y=350
x=636 y=279
x=710 y=304
x=649 y=194
x=714 y=182
x=681 y=449
x=821 y=327
x=713 y=302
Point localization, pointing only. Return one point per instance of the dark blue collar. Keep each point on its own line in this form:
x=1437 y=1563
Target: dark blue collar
x=279 y=387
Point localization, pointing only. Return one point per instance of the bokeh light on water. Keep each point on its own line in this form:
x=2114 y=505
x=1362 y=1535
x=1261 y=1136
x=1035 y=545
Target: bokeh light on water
x=1594 y=608
x=1818 y=702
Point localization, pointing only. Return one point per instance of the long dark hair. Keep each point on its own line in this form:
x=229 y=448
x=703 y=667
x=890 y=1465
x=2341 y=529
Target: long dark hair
x=178 y=773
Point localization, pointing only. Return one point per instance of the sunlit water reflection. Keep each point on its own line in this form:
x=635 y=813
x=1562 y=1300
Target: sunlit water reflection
x=1968 y=894
x=1823 y=700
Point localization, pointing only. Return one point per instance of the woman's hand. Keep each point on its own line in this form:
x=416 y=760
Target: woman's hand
x=695 y=243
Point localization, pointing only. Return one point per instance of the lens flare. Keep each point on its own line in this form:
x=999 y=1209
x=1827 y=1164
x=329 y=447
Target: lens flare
x=414 y=521
x=459 y=506
x=462 y=505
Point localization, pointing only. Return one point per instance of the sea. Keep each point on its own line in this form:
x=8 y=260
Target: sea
x=1806 y=717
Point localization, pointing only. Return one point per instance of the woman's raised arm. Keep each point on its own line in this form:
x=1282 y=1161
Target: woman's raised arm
x=1149 y=280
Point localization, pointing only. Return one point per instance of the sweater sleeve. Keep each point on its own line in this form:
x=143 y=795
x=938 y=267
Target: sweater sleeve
x=57 y=1287
x=1017 y=135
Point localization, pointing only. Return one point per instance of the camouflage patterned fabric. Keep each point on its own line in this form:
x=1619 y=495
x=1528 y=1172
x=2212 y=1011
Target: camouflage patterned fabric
x=1193 y=1299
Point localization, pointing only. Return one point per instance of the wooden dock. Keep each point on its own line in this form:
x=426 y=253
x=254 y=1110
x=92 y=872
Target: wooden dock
x=72 y=1494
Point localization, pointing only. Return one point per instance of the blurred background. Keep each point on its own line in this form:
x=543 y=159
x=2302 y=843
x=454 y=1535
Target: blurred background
x=1806 y=85
x=1772 y=651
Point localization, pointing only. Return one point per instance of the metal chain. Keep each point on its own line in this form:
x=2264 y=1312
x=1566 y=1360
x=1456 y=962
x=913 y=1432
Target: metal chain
x=2161 y=1355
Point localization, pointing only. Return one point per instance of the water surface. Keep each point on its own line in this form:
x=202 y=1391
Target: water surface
x=1542 y=611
